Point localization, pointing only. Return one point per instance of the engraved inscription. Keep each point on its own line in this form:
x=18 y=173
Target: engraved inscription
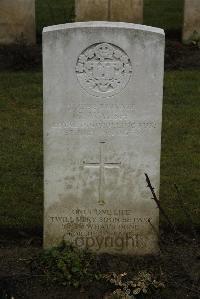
x=103 y=69
x=111 y=119
x=101 y=165
x=106 y=111
x=103 y=228
x=109 y=128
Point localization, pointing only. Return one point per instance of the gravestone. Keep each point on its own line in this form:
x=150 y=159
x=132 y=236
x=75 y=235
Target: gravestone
x=103 y=86
x=191 y=27
x=109 y=10
x=17 y=21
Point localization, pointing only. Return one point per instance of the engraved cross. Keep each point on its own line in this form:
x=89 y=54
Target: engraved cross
x=102 y=165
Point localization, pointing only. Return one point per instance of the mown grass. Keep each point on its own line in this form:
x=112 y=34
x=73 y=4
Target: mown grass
x=166 y=14
x=180 y=144
x=52 y=12
x=21 y=173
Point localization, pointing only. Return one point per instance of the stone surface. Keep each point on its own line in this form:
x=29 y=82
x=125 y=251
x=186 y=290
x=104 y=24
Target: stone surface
x=103 y=86
x=127 y=11
x=110 y=10
x=191 y=27
x=17 y=21
x=91 y=10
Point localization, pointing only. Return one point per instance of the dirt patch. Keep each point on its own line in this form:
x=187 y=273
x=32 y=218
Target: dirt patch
x=179 y=260
x=20 y=56
x=179 y=56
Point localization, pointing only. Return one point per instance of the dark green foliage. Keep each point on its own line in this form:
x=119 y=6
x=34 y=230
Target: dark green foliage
x=68 y=265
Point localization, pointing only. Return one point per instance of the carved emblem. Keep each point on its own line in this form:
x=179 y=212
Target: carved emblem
x=103 y=69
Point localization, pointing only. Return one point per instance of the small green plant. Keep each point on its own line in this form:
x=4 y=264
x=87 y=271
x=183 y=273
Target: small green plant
x=68 y=265
x=142 y=283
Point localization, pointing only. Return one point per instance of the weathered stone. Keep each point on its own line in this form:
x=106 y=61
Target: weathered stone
x=191 y=27
x=91 y=10
x=110 y=10
x=127 y=11
x=102 y=131
x=17 y=21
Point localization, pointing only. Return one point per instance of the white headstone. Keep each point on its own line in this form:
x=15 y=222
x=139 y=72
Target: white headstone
x=103 y=86
x=17 y=21
x=191 y=26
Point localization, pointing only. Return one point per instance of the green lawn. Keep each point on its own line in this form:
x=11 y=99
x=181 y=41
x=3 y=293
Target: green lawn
x=166 y=14
x=51 y=12
x=180 y=143
x=21 y=172
x=21 y=184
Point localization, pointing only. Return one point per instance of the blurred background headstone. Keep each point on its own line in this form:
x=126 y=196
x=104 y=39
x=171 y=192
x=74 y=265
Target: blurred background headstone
x=191 y=27
x=17 y=21
x=110 y=10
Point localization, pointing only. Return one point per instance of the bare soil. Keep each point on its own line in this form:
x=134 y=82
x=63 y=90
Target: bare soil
x=179 y=261
x=179 y=56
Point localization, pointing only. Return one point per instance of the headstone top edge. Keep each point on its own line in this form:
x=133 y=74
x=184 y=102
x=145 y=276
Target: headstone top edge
x=104 y=24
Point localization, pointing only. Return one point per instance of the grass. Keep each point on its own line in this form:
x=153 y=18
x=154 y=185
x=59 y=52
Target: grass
x=51 y=12
x=166 y=14
x=21 y=150
x=180 y=144
x=21 y=173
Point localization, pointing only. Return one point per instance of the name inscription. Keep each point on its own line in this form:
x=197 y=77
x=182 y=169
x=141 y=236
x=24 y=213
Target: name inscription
x=107 y=119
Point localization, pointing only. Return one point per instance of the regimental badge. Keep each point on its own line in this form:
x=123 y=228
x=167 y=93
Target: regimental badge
x=103 y=69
